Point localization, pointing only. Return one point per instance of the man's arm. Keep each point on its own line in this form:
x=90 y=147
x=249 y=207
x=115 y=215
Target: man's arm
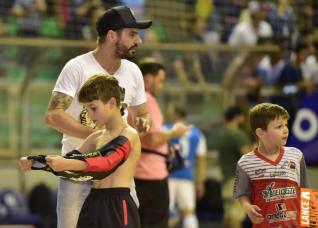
x=58 y=119
x=141 y=118
x=200 y=175
x=201 y=166
x=159 y=138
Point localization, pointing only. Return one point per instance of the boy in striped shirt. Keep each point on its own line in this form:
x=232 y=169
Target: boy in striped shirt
x=269 y=178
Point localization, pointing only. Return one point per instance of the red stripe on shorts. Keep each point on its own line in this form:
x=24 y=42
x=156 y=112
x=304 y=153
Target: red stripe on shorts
x=125 y=212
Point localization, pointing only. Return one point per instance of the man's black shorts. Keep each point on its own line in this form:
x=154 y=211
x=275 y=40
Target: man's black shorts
x=109 y=207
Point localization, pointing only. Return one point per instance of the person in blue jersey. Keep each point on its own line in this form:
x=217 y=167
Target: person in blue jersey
x=184 y=188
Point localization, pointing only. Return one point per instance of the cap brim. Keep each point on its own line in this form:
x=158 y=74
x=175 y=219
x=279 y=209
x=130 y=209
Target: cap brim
x=143 y=24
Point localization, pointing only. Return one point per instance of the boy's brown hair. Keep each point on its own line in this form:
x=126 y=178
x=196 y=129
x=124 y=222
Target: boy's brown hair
x=260 y=115
x=101 y=87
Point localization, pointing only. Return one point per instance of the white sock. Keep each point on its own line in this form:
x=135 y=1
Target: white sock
x=190 y=221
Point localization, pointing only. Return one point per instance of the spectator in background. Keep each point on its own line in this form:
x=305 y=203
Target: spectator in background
x=270 y=67
x=306 y=17
x=283 y=20
x=309 y=66
x=230 y=12
x=67 y=17
x=250 y=29
x=265 y=72
x=248 y=32
x=28 y=13
x=194 y=68
x=75 y=15
x=183 y=187
x=6 y=9
x=202 y=11
x=291 y=81
x=151 y=175
x=233 y=143
x=241 y=72
x=92 y=14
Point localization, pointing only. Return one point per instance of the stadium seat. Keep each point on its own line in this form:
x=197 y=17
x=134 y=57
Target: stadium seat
x=10 y=53
x=12 y=26
x=50 y=28
x=46 y=72
x=15 y=210
x=16 y=72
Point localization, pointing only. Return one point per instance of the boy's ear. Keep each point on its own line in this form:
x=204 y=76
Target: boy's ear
x=259 y=132
x=113 y=102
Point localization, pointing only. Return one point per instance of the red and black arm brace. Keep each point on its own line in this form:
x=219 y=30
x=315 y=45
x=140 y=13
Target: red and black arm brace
x=101 y=163
x=111 y=156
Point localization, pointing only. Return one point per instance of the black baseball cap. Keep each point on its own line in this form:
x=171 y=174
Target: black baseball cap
x=119 y=17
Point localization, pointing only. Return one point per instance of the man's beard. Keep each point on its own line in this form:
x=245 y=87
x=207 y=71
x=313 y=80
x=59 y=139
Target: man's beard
x=123 y=52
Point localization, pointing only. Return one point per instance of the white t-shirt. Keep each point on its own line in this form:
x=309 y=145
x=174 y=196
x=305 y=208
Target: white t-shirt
x=77 y=71
x=245 y=34
x=309 y=68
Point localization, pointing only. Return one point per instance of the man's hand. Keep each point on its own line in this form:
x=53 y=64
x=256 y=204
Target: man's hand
x=142 y=125
x=253 y=213
x=179 y=129
x=25 y=164
x=200 y=190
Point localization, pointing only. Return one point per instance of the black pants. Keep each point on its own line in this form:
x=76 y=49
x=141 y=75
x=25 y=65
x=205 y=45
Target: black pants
x=109 y=207
x=153 y=197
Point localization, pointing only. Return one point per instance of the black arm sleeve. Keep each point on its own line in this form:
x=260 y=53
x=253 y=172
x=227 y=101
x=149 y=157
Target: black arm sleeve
x=101 y=163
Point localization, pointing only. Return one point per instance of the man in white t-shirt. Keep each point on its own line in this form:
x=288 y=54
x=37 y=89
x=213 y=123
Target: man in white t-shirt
x=118 y=38
x=248 y=31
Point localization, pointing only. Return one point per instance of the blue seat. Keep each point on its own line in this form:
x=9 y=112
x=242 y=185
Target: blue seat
x=14 y=209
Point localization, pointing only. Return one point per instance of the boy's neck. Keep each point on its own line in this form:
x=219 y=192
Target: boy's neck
x=115 y=125
x=266 y=151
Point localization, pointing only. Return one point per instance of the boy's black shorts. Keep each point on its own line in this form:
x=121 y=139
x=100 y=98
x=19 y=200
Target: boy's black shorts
x=109 y=207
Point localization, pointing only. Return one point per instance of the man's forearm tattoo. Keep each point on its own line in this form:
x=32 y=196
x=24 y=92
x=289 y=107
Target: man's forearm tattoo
x=59 y=101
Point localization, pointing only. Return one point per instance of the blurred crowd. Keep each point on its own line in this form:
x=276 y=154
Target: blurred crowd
x=209 y=21
x=289 y=25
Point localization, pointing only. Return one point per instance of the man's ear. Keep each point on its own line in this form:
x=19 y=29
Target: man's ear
x=148 y=79
x=112 y=35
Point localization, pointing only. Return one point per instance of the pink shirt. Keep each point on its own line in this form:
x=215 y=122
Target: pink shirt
x=151 y=166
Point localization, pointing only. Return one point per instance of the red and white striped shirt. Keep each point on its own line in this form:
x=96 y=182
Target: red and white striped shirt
x=273 y=185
